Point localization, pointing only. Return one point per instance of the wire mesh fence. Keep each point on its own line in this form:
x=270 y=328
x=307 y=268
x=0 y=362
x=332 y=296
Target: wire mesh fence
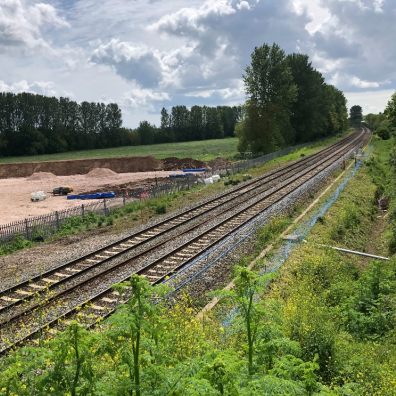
x=40 y=227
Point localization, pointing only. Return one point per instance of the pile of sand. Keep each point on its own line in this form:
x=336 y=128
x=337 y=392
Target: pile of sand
x=41 y=176
x=101 y=172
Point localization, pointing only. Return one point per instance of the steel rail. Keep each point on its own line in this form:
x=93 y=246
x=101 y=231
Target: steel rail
x=293 y=179
x=31 y=288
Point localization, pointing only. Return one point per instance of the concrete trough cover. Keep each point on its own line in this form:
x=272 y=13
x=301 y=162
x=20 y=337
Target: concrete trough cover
x=293 y=237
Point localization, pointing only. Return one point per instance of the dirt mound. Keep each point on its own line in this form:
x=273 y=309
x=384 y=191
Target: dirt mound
x=219 y=163
x=101 y=172
x=173 y=163
x=41 y=176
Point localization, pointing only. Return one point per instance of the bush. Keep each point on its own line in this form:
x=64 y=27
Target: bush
x=17 y=243
x=160 y=209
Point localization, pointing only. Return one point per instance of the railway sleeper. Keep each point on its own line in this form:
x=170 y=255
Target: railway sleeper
x=61 y=275
x=49 y=280
x=9 y=299
x=24 y=292
x=36 y=286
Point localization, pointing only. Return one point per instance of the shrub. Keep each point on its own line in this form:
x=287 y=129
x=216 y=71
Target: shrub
x=160 y=208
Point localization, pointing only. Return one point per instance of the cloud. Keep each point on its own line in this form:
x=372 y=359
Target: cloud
x=218 y=37
x=351 y=82
x=361 y=33
x=140 y=98
x=130 y=61
x=37 y=87
x=23 y=25
x=188 y=21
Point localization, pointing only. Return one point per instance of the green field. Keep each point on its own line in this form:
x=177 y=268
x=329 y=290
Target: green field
x=204 y=150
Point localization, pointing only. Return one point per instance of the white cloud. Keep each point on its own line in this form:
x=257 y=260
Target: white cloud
x=22 y=24
x=371 y=101
x=132 y=62
x=243 y=5
x=192 y=20
x=38 y=87
x=138 y=98
x=144 y=54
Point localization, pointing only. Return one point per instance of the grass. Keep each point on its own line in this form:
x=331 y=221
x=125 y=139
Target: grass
x=204 y=150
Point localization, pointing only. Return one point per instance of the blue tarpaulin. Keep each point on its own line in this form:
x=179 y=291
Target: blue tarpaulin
x=99 y=195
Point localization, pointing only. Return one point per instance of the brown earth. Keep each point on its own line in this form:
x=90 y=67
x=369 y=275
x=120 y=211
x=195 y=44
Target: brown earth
x=86 y=166
x=219 y=163
x=15 y=203
x=81 y=167
x=173 y=163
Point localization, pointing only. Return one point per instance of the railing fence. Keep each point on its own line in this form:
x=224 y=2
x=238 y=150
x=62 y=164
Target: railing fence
x=40 y=227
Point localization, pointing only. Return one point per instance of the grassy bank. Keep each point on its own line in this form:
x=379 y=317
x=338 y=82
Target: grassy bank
x=204 y=150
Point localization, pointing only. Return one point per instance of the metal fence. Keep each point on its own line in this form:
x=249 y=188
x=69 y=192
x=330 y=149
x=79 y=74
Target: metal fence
x=40 y=227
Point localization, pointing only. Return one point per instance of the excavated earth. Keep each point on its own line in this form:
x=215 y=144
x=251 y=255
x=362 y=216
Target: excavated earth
x=121 y=175
x=84 y=166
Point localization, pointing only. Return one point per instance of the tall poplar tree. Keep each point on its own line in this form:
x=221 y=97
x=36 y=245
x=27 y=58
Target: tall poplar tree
x=271 y=91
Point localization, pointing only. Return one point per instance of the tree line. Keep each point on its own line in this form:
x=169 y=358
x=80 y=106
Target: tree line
x=288 y=102
x=183 y=124
x=36 y=124
x=383 y=124
x=33 y=124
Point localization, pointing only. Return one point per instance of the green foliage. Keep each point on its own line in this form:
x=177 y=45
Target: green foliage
x=355 y=116
x=371 y=309
x=160 y=209
x=17 y=243
x=288 y=101
x=390 y=110
x=373 y=121
x=267 y=123
x=326 y=326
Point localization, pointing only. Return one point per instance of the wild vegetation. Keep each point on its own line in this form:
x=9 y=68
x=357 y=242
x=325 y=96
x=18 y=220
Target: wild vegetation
x=324 y=326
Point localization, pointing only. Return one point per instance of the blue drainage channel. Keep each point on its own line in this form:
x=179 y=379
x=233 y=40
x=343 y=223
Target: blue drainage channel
x=303 y=230
x=283 y=253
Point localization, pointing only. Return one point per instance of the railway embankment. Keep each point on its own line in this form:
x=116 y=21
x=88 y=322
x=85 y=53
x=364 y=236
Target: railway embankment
x=86 y=283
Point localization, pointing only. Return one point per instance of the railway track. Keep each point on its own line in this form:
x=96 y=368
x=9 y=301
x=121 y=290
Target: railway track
x=31 y=288
x=264 y=192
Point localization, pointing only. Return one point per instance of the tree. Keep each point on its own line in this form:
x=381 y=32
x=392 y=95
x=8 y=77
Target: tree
x=390 y=110
x=373 y=121
x=271 y=92
x=308 y=116
x=146 y=132
x=355 y=116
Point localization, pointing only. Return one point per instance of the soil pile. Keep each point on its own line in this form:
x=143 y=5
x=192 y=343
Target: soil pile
x=101 y=172
x=173 y=163
x=219 y=163
x=41 y=176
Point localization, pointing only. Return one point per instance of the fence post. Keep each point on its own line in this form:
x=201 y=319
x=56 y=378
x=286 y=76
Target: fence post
x=104 y=206
x=82 y=210
x=123 y=198
x=27 y=228
x=57 y=220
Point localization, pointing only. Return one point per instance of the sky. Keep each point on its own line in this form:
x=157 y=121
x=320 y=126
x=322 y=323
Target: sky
x=149 y=54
